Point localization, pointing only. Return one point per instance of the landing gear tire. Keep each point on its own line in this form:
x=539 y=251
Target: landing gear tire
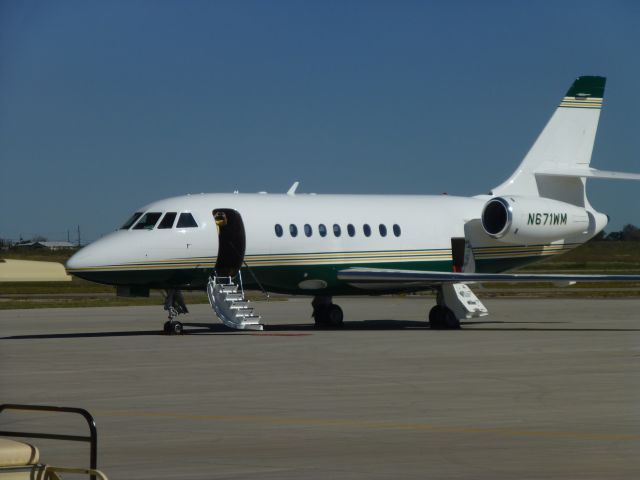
x=450 y=320
x=173 y=328
x=320 y=318
x=329 y=316
x=443 y=318
x=335 y=316
x=436 y=318
x=326 y=313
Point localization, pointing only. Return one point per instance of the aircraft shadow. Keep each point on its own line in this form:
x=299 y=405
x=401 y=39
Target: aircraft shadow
x=487 y=325
x=221 y=329
x=376 y=325
x=543 y=329
x=361 y=325
x=191 y=328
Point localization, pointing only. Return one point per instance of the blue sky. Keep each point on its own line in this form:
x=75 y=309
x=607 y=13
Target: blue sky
x=108 y=105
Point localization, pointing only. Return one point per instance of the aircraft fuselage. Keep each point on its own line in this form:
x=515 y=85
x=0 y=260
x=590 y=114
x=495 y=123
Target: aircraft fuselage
x=298 y=243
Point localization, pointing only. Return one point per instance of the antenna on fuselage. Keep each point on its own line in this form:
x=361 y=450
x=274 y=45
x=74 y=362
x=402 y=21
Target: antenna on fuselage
x=292 y=191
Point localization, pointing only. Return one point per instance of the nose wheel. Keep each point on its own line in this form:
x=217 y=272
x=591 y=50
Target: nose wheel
x=173 y=327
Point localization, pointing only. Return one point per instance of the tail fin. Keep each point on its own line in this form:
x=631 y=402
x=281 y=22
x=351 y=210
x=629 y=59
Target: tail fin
x=557 y=163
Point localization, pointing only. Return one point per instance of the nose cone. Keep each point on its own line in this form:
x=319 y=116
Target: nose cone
x=92 y=256
x=89 y=262
x=77 y=261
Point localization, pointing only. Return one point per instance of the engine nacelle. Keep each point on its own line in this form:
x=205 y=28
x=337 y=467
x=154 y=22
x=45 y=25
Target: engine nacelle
x=525 y=220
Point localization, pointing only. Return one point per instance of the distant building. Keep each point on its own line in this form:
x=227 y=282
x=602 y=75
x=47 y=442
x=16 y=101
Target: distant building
x=49 y=245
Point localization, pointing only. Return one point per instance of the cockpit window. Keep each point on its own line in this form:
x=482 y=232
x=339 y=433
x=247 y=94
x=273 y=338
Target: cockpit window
x=167 y=220
x=148 y=221
x=131 y=221
x=186 y=220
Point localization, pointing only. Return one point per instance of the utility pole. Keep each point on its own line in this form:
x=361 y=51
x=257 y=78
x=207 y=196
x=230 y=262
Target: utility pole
x=68 y=236
x=79 y=236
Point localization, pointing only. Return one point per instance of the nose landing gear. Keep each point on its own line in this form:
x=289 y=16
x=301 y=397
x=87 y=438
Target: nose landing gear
x=174 y=304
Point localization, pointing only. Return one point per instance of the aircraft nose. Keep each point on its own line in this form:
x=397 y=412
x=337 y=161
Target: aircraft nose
x=94 y=255
x=77 y=261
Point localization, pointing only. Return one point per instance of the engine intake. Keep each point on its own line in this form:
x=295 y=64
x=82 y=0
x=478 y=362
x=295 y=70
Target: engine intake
x=527 y=220
x=496 y=217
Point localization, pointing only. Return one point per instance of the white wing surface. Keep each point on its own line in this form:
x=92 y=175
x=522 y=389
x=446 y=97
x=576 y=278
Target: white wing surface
x=427 y=278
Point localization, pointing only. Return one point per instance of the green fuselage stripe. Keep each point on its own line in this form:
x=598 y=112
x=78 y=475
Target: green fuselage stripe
x=282 y=273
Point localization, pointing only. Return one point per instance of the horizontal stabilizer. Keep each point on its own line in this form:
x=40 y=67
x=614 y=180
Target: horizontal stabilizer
x=587 y=172
x=417 y=277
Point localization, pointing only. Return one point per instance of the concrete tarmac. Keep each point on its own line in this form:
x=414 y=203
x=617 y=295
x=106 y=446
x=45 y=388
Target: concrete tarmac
x=541 y=389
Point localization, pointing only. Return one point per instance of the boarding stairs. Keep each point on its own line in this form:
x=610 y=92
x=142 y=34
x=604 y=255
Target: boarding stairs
x=228 y=302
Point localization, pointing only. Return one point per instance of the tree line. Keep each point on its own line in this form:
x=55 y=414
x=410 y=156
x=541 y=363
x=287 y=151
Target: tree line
x=629 y=233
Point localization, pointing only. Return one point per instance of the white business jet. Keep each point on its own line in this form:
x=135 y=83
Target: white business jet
x=331 y=245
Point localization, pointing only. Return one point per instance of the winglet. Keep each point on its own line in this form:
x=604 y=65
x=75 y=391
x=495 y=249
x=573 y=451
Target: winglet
x=292 y=191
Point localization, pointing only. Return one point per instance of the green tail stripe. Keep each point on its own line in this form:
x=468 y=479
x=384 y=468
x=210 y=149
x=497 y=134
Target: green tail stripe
x=591 y=86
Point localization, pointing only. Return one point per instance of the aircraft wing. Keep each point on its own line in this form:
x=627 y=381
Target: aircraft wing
x=417 y=277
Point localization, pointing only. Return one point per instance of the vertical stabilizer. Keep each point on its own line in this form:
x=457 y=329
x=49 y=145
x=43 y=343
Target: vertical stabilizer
x=566 y=143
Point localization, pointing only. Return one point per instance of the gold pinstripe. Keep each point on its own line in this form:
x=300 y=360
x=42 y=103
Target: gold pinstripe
x=493 y=252
x=574 y=102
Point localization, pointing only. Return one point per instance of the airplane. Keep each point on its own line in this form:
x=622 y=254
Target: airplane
x=331 y=245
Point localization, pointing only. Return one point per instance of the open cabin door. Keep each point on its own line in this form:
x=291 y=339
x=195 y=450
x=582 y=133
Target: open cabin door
x=458 y=245
x=231 y=242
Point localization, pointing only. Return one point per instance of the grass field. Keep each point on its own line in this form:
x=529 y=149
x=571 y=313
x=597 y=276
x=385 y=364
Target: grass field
x=593 y=257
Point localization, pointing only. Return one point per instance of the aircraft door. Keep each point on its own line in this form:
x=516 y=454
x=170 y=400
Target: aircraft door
x=231 y=242
x=458 y=245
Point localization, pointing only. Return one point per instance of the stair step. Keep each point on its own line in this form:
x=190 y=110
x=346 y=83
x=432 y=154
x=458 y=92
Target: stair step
x=252 y=319
x=244 y=313
x=256 y=326
x=239 y=304
x=233 y=296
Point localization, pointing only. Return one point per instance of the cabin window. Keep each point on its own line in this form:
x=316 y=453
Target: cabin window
x=383 y=230
x=367 y=230
x=322 y=230
x=336 y=230
x=131 y=221
x=167 y=220
x=396 y=230
x=148 y=221
x=293 y=230
x=351 y=230
x=186 y=220
x=279 y=230
x=308 y=231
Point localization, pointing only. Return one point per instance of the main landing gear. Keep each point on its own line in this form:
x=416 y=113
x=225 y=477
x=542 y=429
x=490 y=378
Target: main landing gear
x=326 y=313
x=174 y=304
x=443 y=318
x=455 y=301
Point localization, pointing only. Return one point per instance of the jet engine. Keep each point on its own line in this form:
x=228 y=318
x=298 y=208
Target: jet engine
x=525 y=220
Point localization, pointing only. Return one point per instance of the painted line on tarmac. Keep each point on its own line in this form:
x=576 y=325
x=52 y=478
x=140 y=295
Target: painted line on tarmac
x=364 y=424
x=281 y=334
